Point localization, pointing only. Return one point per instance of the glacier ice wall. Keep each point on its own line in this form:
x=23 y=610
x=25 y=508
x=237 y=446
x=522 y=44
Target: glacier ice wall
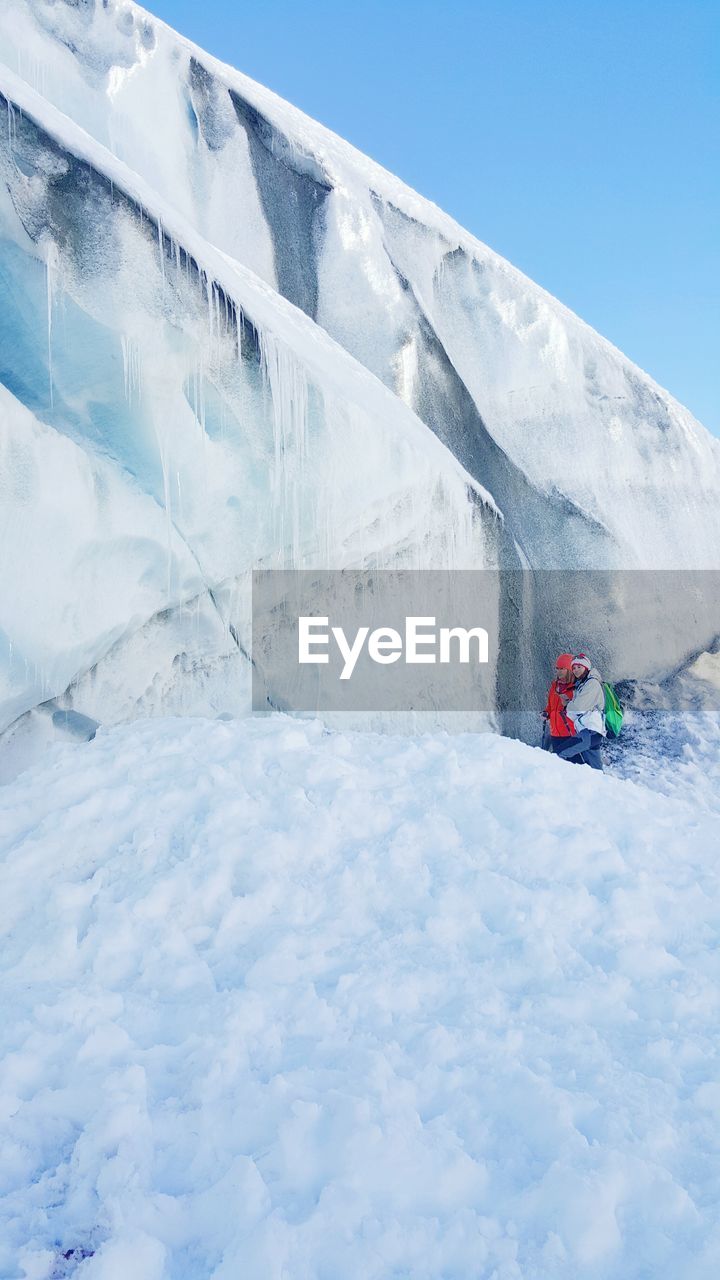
x=227 y=339
x=167 y=426
x=499 y=369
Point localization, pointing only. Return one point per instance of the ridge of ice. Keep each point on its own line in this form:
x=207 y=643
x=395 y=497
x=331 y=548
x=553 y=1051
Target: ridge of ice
x=385 y=492
x=411 y=398
x=520 y=372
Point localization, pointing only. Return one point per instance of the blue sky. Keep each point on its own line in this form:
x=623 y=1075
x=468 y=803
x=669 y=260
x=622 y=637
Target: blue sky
x=578 y=139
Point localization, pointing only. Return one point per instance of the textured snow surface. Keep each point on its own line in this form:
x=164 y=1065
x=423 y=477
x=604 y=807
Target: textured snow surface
x=284 y=1002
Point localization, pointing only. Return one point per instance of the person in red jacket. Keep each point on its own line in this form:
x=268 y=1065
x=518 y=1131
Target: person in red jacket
x=559 y=726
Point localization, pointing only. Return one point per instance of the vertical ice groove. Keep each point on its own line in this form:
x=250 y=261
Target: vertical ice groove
x=31 y=69
x=51 y=268
x=162 y=441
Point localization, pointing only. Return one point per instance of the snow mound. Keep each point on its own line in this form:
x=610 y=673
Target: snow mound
x=280 y=1001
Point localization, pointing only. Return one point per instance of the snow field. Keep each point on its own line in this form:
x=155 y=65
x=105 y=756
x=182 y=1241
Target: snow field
x=280 y=1002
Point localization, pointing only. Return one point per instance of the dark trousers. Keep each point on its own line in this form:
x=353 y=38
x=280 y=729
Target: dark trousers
x=585 y=749
x=557 y=743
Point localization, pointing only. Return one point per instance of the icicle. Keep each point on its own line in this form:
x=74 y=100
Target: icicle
x=239 y=321
x=162 y=248
x=406 y=365
x=131 y=368
x=208 y=294
x=12 y=126
x=199 y=395
x=285 y=380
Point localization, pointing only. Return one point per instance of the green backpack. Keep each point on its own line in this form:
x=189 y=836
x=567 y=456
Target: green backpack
x=613 y=711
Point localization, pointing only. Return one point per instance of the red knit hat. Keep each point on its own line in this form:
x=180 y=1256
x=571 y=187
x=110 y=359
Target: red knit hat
x=564 y=661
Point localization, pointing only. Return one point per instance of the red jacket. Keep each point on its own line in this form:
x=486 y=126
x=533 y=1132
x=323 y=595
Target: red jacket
x=561 y=726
